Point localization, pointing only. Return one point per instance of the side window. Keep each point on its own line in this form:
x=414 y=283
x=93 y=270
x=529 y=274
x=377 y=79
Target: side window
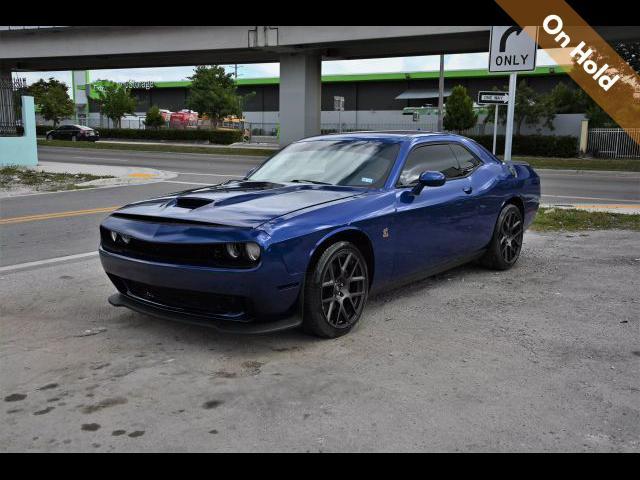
x=466 y=160
x=439 y=158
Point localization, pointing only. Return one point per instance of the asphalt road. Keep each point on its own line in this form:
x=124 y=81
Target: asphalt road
x=557 y=187
x=543 y=357
x=68 y=232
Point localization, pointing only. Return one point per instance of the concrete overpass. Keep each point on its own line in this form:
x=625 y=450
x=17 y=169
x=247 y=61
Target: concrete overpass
x=299 y=49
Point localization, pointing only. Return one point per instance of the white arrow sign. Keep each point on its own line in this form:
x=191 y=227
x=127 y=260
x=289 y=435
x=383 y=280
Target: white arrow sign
x=513 y=49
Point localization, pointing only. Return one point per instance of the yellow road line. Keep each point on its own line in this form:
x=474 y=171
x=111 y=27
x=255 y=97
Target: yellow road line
x=49 y=216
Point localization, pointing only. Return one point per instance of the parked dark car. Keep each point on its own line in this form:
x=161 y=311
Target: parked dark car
x=304 y=238
x=73 y=133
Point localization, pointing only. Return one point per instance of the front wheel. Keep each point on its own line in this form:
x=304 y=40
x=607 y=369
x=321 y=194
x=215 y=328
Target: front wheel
x=49 y=137
x=336 y=291
x=506 y=243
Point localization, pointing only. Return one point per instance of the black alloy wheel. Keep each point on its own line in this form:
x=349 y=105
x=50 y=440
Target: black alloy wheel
x=336 y=291
x=511 y=233
x=506 y=243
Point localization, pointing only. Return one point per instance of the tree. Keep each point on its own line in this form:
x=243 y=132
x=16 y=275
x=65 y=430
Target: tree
x=213 y=93
x=564 y=99
x=530 y=108
x=630 y=53
x=52 y=99
x=597 y=117
x=154 y=118
x=115 y=101
x=459 y=113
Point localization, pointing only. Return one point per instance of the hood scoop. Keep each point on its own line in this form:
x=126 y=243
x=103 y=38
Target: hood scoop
x=192 y=202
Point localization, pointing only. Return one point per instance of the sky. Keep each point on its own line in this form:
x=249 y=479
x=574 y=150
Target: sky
x=376 y=65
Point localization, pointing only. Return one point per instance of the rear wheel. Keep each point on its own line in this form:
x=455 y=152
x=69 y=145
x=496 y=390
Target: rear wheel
x=74 y=138
x=506 y=243
x=336 y=291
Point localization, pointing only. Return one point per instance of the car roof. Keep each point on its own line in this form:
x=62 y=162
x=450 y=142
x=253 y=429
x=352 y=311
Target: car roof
x=398 y=135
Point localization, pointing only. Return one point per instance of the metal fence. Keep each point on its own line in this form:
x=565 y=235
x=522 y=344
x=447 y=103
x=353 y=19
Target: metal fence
x=10 y=114
x=614 y=142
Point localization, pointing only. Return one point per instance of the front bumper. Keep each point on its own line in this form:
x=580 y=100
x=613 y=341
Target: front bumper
x=252 y=300
x=120 y=300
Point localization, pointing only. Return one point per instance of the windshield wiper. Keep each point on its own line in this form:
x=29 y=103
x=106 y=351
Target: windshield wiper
x=302 y=180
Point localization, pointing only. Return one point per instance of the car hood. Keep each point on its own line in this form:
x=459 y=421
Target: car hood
x=238 y=203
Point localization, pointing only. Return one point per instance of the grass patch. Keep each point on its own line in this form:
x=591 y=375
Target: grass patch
x=614 y=164
x=13 y=177
x=556 y=219
x=258 y=152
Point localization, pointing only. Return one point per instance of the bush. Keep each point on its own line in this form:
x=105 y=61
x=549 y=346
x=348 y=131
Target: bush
x=222 y=137
x=154 y=118
x=533 y=145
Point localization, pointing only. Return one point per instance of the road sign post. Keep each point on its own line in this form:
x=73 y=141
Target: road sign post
x=493 y=98
x=512 y=49
x=495 y=130
x=511 y=107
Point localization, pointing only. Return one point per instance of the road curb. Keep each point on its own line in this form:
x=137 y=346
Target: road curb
x=595 y=207
x=594 y=173
x=121 y=175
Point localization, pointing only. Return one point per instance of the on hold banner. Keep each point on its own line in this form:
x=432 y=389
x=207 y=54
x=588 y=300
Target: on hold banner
x=597 y=67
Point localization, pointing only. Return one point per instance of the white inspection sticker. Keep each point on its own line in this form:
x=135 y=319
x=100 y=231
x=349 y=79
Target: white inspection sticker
x=366 y=180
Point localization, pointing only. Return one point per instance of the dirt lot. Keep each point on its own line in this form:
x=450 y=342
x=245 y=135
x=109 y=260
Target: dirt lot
x=545 y=357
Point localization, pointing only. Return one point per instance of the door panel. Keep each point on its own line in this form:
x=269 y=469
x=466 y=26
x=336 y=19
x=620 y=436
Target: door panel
x=434 y=226
x=431 y=227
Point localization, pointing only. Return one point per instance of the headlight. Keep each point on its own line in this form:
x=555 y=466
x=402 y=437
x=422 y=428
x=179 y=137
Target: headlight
x=253 y=251
x=114 y=236
x=233 y=250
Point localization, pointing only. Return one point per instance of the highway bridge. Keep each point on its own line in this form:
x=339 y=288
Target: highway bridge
x=299 y=50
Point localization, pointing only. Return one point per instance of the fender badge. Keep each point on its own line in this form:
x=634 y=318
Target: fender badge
x=385 y=233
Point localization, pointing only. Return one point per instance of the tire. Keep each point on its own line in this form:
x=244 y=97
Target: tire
x=49 y=138
x=74 y=138
x=336 y=290
x=506 y=243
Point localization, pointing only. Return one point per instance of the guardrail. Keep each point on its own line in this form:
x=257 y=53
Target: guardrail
x=614 y=143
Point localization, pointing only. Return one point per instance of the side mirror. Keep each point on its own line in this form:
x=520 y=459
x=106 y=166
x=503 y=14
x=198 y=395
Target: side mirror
x=429 y=179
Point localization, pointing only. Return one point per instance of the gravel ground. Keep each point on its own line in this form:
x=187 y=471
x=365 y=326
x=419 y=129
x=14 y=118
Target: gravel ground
x=544 y=357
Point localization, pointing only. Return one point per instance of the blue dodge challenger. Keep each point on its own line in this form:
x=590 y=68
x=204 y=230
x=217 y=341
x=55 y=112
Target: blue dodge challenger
x=307 y=236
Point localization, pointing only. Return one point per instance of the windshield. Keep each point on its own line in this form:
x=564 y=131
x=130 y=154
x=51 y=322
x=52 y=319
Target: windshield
x=357 y=163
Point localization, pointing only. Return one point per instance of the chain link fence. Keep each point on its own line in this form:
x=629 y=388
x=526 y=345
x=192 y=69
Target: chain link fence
x=614 y=142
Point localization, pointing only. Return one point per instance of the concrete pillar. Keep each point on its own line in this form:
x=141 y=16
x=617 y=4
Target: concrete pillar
x=300 y=95
x=584 y=136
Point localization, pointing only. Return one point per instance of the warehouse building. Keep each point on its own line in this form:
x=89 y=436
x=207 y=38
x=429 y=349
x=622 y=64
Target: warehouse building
x=371 y=101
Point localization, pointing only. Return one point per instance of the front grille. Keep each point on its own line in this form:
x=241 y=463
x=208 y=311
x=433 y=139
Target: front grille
x=185 y=301
x=195 y=254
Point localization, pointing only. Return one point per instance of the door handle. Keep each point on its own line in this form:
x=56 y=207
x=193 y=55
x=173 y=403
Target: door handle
x=467 y=189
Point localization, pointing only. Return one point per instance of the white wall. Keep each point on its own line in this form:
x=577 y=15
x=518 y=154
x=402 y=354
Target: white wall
x=564 y=124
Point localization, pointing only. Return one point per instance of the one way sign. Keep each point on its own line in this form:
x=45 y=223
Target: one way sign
x=513 y=49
